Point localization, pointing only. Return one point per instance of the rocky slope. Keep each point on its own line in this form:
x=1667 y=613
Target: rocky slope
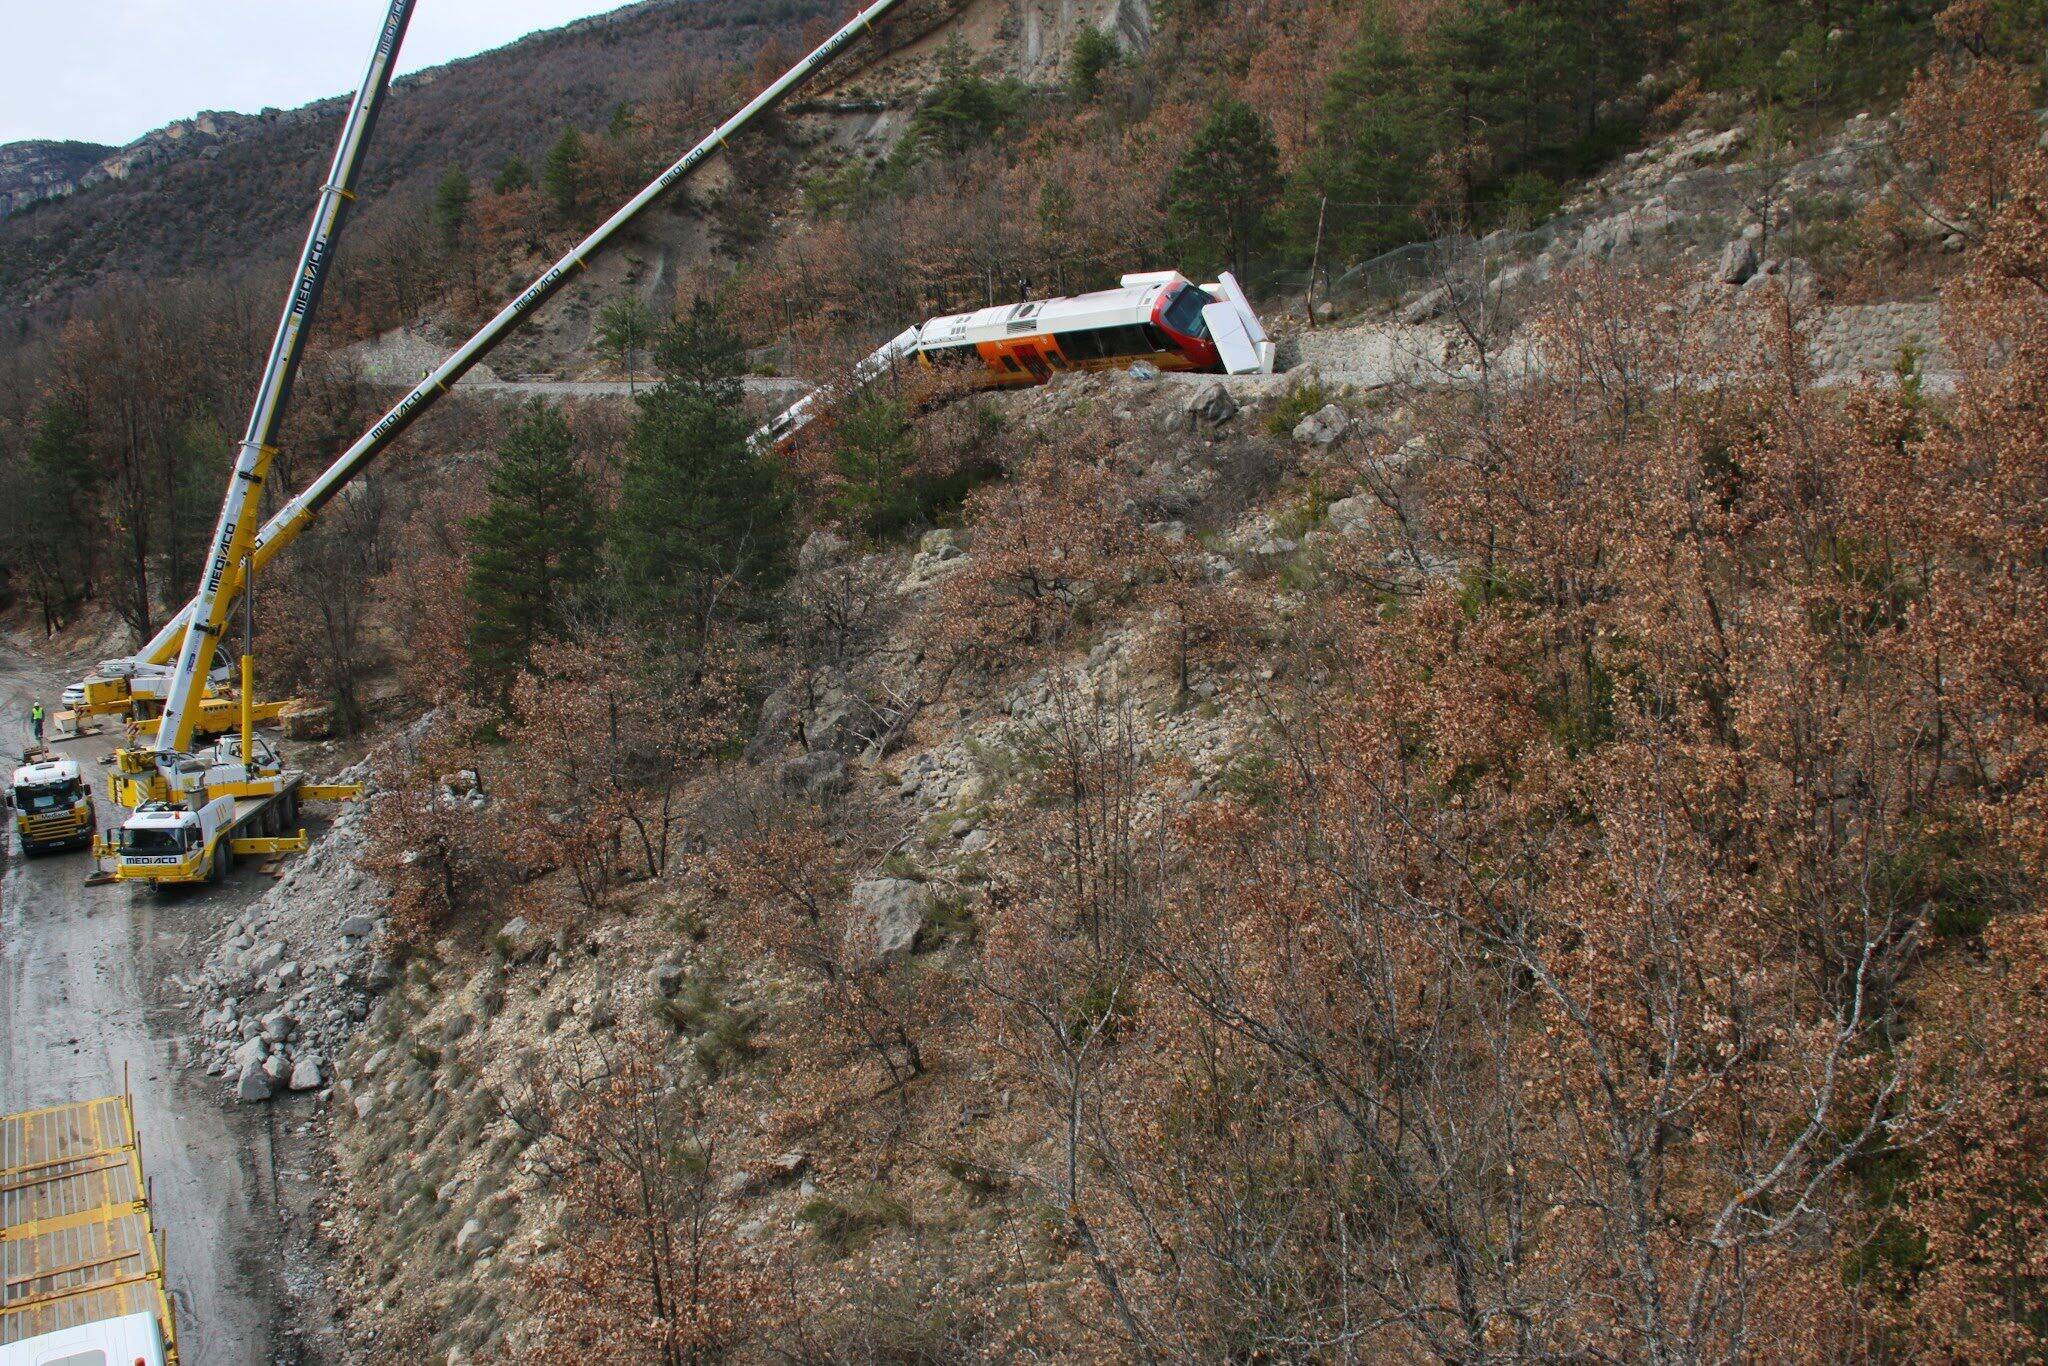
x=35 y=171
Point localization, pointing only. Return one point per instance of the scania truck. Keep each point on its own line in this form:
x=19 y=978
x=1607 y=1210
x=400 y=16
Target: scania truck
x=52 y=806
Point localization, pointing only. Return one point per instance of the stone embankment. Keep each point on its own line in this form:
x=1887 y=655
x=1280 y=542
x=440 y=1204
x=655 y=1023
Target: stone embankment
x=288 y=981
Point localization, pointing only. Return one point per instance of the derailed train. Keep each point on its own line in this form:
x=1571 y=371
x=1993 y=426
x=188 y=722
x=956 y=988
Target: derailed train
x=1161 y=317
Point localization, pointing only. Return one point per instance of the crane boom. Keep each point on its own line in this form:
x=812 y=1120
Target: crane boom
x=220 y=577
x=296 y=515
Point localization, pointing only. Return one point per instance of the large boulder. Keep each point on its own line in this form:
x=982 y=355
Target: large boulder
x=1738 y=262
x=253 y=1085
x=306 y=1073
x=518 y=939
x=821 y=549
x=1323 y=427
x=304 y=720
x=1213 y=405
x=1429 y=304
x=817 y=776
x=891 y=912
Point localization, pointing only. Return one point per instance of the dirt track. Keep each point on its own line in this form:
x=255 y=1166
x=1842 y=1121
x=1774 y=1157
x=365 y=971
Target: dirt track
x=83 y=1000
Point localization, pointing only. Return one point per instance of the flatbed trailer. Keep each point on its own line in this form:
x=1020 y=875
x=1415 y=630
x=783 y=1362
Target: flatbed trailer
x=164 y=843
x=81 y=1262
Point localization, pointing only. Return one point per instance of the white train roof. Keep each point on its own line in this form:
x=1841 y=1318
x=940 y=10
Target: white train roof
x=1132 y=302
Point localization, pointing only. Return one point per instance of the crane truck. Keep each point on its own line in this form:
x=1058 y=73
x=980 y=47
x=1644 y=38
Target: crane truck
x=192 y=814
x=171 y=837
x=152 y=671
x=81 y=1261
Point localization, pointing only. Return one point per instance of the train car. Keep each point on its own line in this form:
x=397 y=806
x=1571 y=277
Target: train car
x=1161 y=317
x=1157 y=318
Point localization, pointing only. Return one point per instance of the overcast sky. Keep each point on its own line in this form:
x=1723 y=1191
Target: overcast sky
x=111 y=70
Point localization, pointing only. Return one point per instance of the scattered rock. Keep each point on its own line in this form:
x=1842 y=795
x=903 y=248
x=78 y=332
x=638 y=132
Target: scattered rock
x=358 y=927
x=1213 y=405
x=306 y=1074
x=1324 y=426
x=253 y=1085
x=893 y=909
x=1143 y=369
x=666 y=979
x=1738 y=262
x=820 y=549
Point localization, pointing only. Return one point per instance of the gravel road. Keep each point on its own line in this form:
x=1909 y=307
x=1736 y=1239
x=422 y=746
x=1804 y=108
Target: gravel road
x=83 y=1001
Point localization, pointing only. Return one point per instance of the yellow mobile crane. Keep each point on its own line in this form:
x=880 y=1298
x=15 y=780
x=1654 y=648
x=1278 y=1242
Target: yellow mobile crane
x=193 y=814
x=180 y=826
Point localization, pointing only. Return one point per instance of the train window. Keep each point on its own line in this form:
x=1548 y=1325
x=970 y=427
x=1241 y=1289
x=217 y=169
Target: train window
x=1080 y=345
x=1184 y=314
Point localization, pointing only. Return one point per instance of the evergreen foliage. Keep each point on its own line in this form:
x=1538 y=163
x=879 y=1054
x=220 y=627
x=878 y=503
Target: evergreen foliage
x=702 y=529
x=624 y=326
x=451 y=207
x=1223 y=192
x=1369 y=158
x=515 y=175
x=963 y=109
x=561 y=176
x=533 y=549
x=1094 y=53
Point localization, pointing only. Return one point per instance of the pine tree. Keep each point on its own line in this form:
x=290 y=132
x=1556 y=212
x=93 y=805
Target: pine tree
x=1471 y=92
x=533 y=548
x=561 y=176
x=701 y=532
x=1371 y=148
x=1222 y=193
x=451 y=207
x=515 y=175
x=1094 y=53
x=623 y=328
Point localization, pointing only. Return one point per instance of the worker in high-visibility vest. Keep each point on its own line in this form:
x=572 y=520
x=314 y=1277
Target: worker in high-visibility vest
x=35 y=721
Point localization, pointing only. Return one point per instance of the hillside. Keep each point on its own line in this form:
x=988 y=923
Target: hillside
x=1520 y=836
x=232 y=192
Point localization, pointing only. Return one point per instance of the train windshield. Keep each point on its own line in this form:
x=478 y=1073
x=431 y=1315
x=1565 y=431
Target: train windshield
x=1184 y=314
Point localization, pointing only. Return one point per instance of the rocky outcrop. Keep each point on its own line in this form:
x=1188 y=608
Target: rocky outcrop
x=32 y=172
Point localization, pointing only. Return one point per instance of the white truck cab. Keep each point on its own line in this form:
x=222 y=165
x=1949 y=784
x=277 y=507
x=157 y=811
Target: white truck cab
x=51 y=804
x=131 y=1340
x=166 y=843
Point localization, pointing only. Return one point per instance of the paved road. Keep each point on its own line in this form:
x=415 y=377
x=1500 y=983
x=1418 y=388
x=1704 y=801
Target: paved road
x=82 y=998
